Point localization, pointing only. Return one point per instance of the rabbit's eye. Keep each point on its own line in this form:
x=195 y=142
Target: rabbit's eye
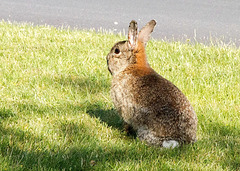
x=116 y=51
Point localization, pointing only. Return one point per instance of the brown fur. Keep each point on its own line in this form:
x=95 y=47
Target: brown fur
x=155 y=108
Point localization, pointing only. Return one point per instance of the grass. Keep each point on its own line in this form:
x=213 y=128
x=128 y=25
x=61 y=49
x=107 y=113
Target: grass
x=56 y=112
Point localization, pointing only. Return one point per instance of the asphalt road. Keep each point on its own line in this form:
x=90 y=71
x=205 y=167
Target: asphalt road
x=176 y=19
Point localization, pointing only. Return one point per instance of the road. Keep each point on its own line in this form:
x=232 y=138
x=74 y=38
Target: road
x=176 y=19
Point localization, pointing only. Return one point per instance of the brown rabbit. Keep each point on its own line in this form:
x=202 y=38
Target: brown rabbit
x=155 y=108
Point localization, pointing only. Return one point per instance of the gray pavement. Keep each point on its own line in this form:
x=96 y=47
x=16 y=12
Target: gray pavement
x=176 y=19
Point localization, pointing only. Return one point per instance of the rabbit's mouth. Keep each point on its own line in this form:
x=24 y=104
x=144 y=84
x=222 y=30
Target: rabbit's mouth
x=108 y=66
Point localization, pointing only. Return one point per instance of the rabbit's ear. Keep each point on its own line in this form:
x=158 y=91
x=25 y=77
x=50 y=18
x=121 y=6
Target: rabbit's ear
x=132 y=35
x=145 y=33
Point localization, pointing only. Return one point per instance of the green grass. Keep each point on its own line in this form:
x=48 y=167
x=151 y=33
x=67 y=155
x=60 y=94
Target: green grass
x=56 y=112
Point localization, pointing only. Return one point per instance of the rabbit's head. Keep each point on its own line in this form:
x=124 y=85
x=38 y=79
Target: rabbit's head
x=131 y=51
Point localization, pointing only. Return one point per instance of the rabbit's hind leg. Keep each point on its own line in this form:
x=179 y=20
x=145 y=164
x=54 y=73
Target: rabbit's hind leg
x=148 y=136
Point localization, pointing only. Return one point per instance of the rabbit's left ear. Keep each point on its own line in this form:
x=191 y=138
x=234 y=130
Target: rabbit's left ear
x=132 y=35
x=145 y=33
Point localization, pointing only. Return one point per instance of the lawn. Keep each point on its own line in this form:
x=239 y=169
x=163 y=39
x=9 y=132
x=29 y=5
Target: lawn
x=56 y=112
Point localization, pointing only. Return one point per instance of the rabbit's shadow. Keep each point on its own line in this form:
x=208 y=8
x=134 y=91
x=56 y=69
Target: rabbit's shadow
x=108 y=116
x=111 y=118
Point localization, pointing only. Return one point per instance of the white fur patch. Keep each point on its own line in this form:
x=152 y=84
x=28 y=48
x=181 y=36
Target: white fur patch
x=170 y=144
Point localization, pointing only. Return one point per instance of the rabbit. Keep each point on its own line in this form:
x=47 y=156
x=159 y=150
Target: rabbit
x=152 y=106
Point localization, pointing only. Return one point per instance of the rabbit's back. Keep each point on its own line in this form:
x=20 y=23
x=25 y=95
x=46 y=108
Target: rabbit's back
x=143 y=97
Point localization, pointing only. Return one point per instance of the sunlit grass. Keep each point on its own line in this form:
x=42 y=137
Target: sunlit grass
x=56 y=112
